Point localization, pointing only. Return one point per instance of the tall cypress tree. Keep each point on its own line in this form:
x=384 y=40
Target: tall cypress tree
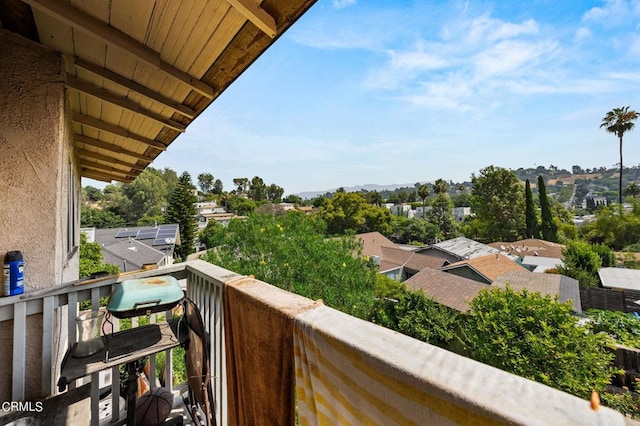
x=182 y=210
x=530 y=212
x=549 y=228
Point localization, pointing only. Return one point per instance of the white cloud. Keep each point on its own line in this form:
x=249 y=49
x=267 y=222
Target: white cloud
x=613 y=12
x=341 y=4
x=582 y=33
x=509 y=57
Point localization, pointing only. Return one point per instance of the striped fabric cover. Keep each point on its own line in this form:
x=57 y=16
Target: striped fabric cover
x=350 y=372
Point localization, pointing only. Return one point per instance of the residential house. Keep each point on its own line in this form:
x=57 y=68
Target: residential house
x=91 y=90
x=402 y=210
x=137 y=247
x=554 y=285
x=541 y=264
x=459 y=213
x=447 y=289
x=485 y=269
x=220 y=218
x=462 y=248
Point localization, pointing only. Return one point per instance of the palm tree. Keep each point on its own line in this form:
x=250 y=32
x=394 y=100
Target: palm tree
x=619 y=121
x=632 y=190
x=423 y=192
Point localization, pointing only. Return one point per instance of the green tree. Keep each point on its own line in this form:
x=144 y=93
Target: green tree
x=497 y=199
x=101 y=219
x=92 y=194
x=91 y=259
x=618 y=228
x=549 y=228
x=412 y=313
x=349 y=212
x=440 y=186
x=211 y=235
x=147 y=195
x=415 y=230
x=441 y=214
x=538 y=338
x=257 y=189
x=531 y=218
x=242 y=185
x=217 y=187
x=632 y=190
x=423 y=193
x=291 y=252
x=205 y=182
x=619 y=121
x=581 y=262
x=274 y=192
x=182 y=210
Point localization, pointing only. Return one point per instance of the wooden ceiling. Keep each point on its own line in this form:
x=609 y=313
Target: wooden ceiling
x=140 y=71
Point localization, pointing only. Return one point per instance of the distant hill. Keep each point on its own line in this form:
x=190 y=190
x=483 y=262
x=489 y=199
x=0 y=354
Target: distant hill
x=368 y=187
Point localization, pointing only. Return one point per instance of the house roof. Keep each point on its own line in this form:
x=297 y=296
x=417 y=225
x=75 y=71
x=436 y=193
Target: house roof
x=546 y=284
x=138 y=245
x=628 y=279
x=489 y=267
x=140 y=72
x=373 y=242
x=530 y=247
x=465 y=248
x=541 y=264
x=447 y=289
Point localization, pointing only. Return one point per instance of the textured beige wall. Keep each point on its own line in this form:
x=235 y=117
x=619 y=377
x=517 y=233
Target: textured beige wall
x=35 y=153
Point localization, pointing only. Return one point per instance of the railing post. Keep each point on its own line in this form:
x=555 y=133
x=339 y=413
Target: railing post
x=47 y=345
x=19 y=348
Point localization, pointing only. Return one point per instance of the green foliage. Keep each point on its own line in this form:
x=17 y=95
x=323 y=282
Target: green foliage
x=349 y=212
x=290 y=252
x=621 y=326
x=205 y=182
x=414 y=230
x=181 y=210
x=147 y=195
x=606 y=255
x=618 y=227
x=536 y=337
x=581 y=261
x=413 y=313
x=441 y=214
x=240 y=206
x=548 y=227
x=212 y=234
x=91 y=259
x=150 y=220
x=497 y=199
x=101 y=219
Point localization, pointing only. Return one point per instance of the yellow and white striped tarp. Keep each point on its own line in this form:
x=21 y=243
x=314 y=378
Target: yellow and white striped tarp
x=351 y=372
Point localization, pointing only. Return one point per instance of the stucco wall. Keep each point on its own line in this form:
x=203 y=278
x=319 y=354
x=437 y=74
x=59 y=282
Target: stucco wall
x=35 y=157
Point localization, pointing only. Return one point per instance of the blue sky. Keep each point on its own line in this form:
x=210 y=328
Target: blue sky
x=381 y=92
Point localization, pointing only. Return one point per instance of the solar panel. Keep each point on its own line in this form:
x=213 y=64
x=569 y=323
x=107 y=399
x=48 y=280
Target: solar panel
x=126 y=233
x=172 y=227
x=163 y=241
x=146 y=233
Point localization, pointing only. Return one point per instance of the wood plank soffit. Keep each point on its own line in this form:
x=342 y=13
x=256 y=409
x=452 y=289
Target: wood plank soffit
x=134 y=87
x=110 y=147
x=90 y=154
x=258 y=16
x=114 y=130
x=104 y=95
x=105 y=177
x=102 y=31
x=104 y=167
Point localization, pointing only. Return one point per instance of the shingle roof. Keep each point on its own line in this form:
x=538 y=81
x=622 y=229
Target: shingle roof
x=546 y=284
x=135 y=253
x=372 y=243
x=541 y=264
x=489 y=266
x=447 y=289
x=529 y=247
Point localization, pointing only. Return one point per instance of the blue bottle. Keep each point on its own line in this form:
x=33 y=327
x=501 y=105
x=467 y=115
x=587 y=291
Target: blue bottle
x=13 y=273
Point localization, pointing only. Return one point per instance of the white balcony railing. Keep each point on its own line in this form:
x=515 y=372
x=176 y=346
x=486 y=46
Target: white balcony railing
x=344 y=370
